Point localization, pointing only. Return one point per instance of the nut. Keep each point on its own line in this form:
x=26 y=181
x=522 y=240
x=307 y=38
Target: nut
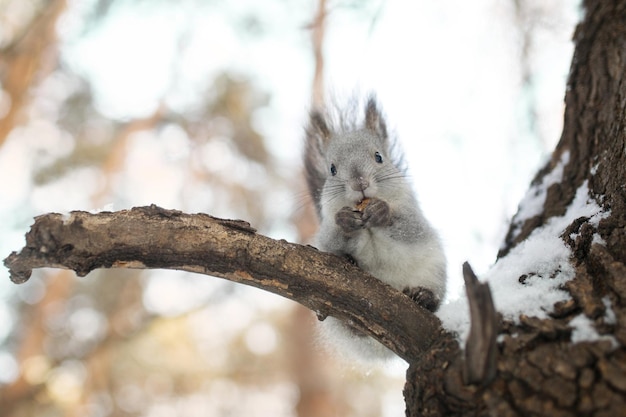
x=362 y=204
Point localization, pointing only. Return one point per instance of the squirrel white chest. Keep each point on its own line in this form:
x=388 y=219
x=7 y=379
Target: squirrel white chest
x=399 y=264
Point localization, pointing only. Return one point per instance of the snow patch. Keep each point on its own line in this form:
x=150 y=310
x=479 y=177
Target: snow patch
x=532 y=203
x=66 y=218
x=609 y=316
x=584 y=331
x=598 y=239
x=529 y=279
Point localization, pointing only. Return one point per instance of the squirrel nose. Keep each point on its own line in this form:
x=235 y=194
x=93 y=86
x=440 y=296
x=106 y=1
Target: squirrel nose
x=360 y=184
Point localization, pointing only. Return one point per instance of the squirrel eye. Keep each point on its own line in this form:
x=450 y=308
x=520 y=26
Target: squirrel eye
x=378 y=158
x=333 y=170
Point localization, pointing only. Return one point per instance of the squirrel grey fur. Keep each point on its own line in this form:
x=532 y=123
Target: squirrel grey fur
x=349 y=159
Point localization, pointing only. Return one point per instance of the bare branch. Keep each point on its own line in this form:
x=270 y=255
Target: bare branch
x=152 y=237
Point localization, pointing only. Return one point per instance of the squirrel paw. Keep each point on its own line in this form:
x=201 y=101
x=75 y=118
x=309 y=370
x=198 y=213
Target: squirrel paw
x=349 y=220
x=423 y=297
x=351 y=259
x=377 y=213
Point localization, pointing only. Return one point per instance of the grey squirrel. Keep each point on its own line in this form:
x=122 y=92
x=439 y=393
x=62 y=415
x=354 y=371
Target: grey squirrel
x=368 y=212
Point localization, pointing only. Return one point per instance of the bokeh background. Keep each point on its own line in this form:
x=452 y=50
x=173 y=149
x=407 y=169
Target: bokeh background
x=199 y=105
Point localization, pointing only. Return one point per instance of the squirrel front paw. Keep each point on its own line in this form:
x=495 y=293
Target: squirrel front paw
x=349 y=220
x=377 y=213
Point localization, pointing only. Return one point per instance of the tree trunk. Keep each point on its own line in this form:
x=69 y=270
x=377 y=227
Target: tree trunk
x=541 y=371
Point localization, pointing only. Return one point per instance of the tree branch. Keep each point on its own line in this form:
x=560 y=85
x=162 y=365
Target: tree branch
x=152 y=237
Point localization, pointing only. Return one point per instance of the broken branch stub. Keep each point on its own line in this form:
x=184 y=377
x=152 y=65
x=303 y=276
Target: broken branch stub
x=481 y=346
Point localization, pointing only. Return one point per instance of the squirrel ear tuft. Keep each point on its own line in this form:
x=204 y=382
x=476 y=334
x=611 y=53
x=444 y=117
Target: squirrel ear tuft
x=318 y=126
x=374 y=120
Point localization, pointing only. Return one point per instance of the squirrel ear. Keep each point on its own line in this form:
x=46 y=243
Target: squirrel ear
x=374 y=120
x=318 y=127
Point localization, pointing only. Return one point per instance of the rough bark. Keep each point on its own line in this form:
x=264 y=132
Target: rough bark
x=152 y=237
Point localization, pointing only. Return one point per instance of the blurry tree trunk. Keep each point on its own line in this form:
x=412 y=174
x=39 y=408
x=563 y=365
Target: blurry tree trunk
x=115 y=159
x=540 y=371
x=27 y=59
x=321 y=394
x=311 y=369
x=32 y=339
x=317 y=36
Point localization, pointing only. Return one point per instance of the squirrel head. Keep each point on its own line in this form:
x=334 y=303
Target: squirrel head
x=349 y=158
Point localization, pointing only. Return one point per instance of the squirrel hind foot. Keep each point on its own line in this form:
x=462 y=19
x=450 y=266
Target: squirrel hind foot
x=351 y=259
x=423 y=297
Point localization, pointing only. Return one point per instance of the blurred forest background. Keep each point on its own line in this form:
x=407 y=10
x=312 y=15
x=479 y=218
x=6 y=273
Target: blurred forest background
x=199 y=105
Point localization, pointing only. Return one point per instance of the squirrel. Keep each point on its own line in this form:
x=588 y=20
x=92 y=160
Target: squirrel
x=368 y=213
